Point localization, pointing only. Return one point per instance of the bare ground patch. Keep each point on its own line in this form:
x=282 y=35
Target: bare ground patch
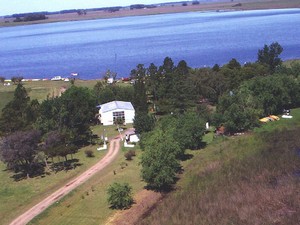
x=145 y=201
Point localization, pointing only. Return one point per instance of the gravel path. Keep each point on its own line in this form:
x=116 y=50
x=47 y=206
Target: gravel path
x=44 y=204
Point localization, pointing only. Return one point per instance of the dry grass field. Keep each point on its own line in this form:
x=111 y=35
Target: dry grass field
x=250 y=179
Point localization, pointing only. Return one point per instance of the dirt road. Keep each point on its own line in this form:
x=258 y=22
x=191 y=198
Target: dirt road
x=44 y=204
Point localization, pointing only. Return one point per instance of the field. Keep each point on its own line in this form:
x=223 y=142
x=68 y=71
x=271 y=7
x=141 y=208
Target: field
x=248 y=179
x=17 y=196
x=229 y=172
x=88 y=203
x=175 y=8
x=40 y=89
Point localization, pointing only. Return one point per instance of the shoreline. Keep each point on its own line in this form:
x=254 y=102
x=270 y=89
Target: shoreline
x=242 y=5
x=118 y=79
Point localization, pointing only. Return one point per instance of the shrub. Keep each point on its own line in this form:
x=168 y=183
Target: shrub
x=128 y=155
x=89 y=153
x=120 y=196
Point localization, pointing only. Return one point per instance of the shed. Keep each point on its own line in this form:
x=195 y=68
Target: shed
x=111 y=111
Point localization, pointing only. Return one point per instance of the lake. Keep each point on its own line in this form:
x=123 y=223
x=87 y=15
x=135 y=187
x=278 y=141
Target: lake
x=92 y=47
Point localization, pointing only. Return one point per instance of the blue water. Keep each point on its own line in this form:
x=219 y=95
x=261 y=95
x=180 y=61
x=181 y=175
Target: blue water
x=92 y=47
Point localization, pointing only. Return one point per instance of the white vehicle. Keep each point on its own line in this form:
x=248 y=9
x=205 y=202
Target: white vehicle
x=56 y=78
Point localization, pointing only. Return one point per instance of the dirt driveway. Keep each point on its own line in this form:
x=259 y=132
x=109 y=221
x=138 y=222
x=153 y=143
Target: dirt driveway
x=44 y=204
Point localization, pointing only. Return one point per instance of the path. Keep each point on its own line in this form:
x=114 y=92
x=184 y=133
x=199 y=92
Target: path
x=44 y=204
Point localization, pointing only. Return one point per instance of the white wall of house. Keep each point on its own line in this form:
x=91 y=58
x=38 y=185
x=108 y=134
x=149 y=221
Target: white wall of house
x=107 y=117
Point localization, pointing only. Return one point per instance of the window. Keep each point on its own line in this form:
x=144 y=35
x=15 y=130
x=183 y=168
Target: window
x=119 y=116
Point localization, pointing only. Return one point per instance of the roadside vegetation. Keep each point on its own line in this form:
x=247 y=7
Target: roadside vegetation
x=48 y=136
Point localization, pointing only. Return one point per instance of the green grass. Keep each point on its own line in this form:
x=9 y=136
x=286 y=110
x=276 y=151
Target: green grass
x=40 y=89
x=88 y=203
x=250 y=179
x=17 y=196
x=282 y=123
x=5 y=97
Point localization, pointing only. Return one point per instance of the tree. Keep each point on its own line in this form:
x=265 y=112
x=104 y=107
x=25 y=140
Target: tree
x=120 y=196
x=49 y=118
x=15 y=113
x=77 y=108
x=143 y=122
x=233 y=64
x=2 y=79
x=19 y=149
x=16 y=80
x=269 y=55
x=159 y=161
x=189 y=131
x=110 y=74
x=140 y=96
x=105 y=93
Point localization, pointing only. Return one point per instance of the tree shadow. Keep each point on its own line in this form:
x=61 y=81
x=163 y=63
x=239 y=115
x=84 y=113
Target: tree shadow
x=202 y=145
x=65 y=165
x=163 y=189
x=37 y=169
x=186 y=157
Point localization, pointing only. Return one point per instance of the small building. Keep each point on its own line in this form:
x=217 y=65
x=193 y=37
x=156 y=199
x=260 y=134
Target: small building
x=112 y=111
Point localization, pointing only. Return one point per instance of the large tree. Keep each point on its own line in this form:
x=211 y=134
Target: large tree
x=143 y=122
x=14 y=114
x=269 y=55
x=140 y=95
x=189 y=131
x=78 y=108
x=159 y=161
x=71 y=114
x=19 y=149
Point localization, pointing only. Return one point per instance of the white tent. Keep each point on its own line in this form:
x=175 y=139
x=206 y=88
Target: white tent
x=111 y=111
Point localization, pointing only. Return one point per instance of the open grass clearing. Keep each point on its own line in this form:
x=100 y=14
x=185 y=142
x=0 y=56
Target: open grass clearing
x=18 y=196
x=40 y=90
x=88 y=203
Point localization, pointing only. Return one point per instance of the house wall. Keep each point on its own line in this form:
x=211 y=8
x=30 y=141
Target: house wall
x=107 y=117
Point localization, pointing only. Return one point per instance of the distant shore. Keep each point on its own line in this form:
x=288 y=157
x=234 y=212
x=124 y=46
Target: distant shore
x=176 y=8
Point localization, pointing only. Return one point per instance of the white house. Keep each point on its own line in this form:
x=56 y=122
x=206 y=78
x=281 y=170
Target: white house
x=111 y=111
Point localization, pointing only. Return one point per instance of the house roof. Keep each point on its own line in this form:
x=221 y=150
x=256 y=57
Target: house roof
x=116 y=105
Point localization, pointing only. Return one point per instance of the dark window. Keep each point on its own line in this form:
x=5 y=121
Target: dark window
x=118 y=115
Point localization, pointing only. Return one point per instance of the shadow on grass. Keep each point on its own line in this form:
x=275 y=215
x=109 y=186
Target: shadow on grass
x=38 y=169
x=186 y=157
x=65 y=165
x=164 y=189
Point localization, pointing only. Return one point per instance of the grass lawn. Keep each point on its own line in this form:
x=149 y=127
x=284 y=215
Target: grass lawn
x=17 y=196
x=282 y=123
x=88 y=203
x=40 y=89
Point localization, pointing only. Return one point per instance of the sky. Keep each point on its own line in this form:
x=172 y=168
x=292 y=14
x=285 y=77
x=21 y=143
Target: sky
x=8 y=7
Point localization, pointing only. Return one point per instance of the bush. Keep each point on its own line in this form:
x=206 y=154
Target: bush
x=120 y=196
x=89 y=153
x=128 y=155
x=16 y=80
